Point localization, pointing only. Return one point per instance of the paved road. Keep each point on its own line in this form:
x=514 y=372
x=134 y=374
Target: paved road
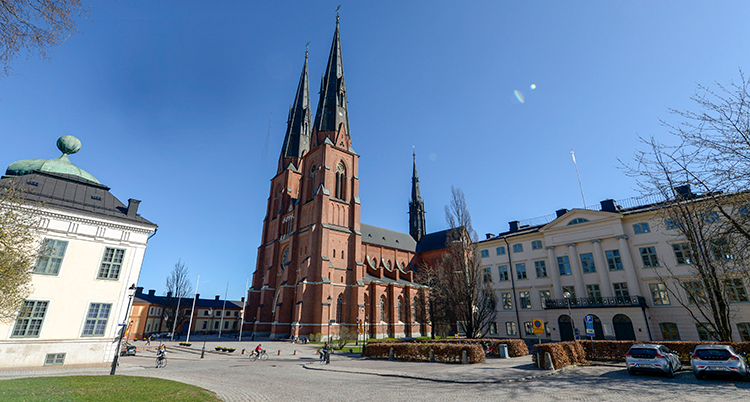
x=285 y=378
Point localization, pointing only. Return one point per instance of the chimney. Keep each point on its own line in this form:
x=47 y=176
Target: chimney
x=683 y=192
x=216 y=298
x=561 y=212
x=152 y=292
x=139 y=290
x=489 y=235
x=242 y=299
x=513 y=226
x=169 y=294
x=197 y=296
x=132 y=207
x=608 y=205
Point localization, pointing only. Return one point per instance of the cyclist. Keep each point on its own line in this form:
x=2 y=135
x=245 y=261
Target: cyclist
x=258 y=349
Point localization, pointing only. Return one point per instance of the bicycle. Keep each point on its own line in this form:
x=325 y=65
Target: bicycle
x=161 y=361
x=263 y=356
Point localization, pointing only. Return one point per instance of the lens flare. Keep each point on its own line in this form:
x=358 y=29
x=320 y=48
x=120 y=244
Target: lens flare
x=519 y=95
x=533 y=87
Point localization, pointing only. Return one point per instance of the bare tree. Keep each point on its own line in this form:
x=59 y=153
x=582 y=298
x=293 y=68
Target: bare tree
x=19 y=246
x=704 y=177
x=35 y=26
x=178 y=287
x=459 y=290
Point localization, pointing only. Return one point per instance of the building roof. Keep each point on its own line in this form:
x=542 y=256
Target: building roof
x=387 y=238
x=368 y=278
x=434 y=241
x=151 y=298
x=67 y=145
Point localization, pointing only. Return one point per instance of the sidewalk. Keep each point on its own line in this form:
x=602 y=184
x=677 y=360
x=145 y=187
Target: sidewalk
x=494 y=371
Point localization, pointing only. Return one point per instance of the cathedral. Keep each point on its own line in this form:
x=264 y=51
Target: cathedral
x=319 y=269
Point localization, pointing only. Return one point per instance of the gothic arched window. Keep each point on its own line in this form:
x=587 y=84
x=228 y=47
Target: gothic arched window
x=340 y=181
x=400 y=309
x=339 y=308
x=382 y=309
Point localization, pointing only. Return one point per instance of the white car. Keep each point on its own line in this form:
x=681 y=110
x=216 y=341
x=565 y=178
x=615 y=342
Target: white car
x=653 y=358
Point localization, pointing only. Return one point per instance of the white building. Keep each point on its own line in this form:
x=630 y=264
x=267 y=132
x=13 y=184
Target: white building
x=81 y=284
x=612 y=263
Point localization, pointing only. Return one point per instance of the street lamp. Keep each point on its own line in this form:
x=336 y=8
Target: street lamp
x=131 y=293
x=203 y=351
x=567 y=295
x=329 y=318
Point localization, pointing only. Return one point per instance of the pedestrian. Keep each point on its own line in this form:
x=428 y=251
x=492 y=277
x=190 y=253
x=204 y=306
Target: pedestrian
x=327 y=352
x=148 y=340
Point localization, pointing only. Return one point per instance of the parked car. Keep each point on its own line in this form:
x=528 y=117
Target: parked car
x=717 y=359
x=652 y=358
x=127 y=350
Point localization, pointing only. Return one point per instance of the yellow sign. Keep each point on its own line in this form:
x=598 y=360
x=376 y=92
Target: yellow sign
x=455 y=336
x=538 y=326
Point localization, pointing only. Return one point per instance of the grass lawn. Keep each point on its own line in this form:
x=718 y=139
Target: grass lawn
x=101 y=388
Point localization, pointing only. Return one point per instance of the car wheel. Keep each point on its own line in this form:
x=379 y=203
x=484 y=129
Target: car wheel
x=670 y=373
x=631 y=371
x=698 y=376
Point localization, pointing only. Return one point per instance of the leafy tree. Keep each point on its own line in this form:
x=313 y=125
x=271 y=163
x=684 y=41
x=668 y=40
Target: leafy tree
x=178 y=287
x=703 y=175
x=19 y=245
x=459 y=292
x=35 y=26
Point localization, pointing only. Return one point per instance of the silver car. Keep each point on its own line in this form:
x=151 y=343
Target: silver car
x=653 y=358
x=717 y=359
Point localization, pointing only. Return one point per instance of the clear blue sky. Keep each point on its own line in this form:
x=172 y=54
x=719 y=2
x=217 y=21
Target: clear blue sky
x=183 y=104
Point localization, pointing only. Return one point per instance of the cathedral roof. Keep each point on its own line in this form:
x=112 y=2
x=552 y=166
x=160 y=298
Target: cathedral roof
x=387 y=238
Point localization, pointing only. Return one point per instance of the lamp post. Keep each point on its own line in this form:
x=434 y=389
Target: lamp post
x=203 y=351
x=131 y=293
x=567 y=295
x=329 y=318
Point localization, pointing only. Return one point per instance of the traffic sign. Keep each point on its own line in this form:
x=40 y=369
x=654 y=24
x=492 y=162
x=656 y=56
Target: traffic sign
x=537 y=326
x=589 y=320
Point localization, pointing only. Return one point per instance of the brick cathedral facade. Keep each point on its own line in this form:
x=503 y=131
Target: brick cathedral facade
x=319 y=269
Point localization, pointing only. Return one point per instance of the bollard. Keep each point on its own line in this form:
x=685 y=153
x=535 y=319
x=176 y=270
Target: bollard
x=243 y=351
x=295 y=352
x=391 y=355
x=464 y=357
x=432 y=356
x=279 y=353
x=538 y=360
x=548 y=362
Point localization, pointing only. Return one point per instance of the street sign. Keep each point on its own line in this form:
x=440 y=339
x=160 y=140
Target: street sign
x=589 y=320
x=537 y=326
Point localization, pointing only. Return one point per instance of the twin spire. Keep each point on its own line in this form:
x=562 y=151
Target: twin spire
x=332 y=114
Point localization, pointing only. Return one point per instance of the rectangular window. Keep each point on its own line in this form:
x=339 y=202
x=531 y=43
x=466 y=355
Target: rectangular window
x=563 y=263
x=205 y=323
x=536 y=245
x=507 y=301
x=528 y=328
x=96 y=319
x=151 y=310
x=30 y=319
x=485 y=253
x=614 y=262
x=587 y=263
x=621 y=289
x=503 y=272
x=711 y=217
x=216 y=325
x=500 y=250
x=682 y=253
x=544 y=298
x=744 y=330
x=571 y=290
x=54 y=359
x=649 y=257
x=671 y=224
x=226 y=324
x=525 y=299
x=111 y=263
x=721 y=250
x=736 y=290
x=669 y=331
x=706 y=332
x=517 y=248
x=593 y=291
x=521 y=271
x=541 y=269
x=696 y=293
x=487 y=275
x=510 y=328
x=493 y=328
x=50 y=257
x=642 y=227
x=660 y=294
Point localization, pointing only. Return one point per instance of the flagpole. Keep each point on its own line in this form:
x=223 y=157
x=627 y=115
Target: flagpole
x=223 y=310
x=192 y=312
x=579 y=177
x=242 y=313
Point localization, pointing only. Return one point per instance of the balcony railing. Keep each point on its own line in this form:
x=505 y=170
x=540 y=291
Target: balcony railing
x=598 y=302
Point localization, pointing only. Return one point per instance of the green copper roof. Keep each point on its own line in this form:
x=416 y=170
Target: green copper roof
x=67 y=145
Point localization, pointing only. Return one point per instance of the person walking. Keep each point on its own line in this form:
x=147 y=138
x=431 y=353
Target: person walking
x=327 y=353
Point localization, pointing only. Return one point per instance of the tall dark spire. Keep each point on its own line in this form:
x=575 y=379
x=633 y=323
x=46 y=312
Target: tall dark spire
x=298 y=129
x=332 y=110
x=417 y=227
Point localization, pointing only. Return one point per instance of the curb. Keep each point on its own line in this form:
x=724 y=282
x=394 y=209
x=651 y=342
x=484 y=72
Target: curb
x=313 y=366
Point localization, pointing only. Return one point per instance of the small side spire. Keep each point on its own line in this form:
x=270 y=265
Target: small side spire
x=297 y=138
x=417 y=226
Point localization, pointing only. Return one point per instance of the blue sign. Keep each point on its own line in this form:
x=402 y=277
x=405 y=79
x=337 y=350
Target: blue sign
x=589 y=320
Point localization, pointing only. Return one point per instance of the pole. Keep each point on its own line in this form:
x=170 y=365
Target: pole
x=242 y=313
x=579 y=176
x=192 y=311
x=176 y=313
x=223 y=310
x=205 y=334
x=122 y=331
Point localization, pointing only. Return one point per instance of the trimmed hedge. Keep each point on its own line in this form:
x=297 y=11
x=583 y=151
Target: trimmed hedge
x=615 y=350
x=562 y=353
x=516 y=347
x=444 y=352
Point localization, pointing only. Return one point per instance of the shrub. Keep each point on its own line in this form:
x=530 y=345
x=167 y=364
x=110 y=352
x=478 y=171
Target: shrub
x=346 y=335
x=420 y=351
x=562 y=353
x=516 y=347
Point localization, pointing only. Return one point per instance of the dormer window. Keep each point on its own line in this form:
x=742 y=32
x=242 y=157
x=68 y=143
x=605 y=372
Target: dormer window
x=577 y=221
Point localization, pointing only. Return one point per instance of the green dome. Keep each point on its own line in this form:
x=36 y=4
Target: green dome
x=67 y=145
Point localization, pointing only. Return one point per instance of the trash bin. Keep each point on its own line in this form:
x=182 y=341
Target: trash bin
x=503 y=351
